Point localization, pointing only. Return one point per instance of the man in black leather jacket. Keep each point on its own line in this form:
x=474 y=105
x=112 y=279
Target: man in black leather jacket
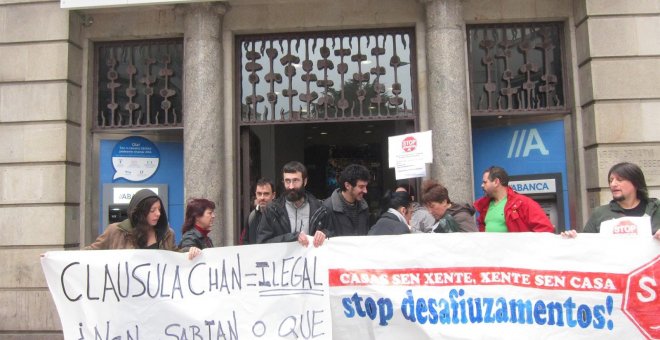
x=295 y=214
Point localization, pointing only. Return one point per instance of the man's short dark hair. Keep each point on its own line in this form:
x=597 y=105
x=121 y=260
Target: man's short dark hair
x=499 y=173
x=632 y=173
x=352 y=174
x=293 y=167
x=263 y=182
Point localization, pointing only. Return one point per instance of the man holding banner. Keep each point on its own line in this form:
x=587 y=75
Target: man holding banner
x=348 y=210
x=295 y=214
x=630 y=198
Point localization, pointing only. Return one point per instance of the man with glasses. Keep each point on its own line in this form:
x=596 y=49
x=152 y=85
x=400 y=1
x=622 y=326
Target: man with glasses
x=295 y=214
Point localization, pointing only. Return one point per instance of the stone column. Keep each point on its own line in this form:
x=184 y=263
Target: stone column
x=448 y=98
x=203 y=107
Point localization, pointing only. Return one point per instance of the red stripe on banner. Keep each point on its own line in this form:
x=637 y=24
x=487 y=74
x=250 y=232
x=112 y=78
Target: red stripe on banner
x=480 y=276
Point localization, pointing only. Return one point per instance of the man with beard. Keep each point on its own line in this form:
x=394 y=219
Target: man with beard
x=630 y=197
x=295 y=214
x=349 y=212
x=504 y=210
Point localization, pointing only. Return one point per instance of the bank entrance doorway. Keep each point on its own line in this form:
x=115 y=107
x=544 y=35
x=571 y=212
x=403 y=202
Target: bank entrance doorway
x=325 y=149
x=326 y=99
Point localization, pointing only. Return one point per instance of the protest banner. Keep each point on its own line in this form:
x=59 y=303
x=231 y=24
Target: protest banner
x=249 y=292
x=418 y=286
x=495 y=286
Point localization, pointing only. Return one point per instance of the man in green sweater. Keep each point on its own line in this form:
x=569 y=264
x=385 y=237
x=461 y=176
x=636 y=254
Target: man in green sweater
x=630 y=197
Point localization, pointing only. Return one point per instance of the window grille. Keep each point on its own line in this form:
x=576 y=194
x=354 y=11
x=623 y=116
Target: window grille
x=311 y=77
x=139 y=84
x=516 y=69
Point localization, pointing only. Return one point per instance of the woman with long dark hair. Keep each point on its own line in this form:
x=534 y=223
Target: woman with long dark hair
x=145 y=228
x=396 y=215
x=200 y=214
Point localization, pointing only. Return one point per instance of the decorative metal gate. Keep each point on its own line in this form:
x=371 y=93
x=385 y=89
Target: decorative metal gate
x=328 y=76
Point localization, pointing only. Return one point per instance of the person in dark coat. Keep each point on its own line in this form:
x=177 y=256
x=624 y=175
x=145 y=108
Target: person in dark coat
x=296 y=214
x=145 y=228
x=394 y=220
x=200 y=214
x=347 y=209
x=450 y=216
x=264 y=193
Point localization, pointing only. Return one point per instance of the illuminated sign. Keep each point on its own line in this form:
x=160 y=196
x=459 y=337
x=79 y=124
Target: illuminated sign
x=536 y=186
x=124 y=195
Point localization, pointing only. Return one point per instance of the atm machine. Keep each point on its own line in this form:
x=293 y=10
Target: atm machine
x=546 y=190
x=116 y=197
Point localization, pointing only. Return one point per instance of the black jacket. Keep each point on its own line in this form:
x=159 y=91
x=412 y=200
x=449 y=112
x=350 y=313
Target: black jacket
x=341 y=225
x=389 y=224
x=276 y=227
x=194 y=238
x=249 y=235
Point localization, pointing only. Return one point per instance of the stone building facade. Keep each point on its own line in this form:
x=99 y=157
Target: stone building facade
x=49 y=188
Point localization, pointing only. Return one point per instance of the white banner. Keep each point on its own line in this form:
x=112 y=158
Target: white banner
x=417 y=286
x=264 y=291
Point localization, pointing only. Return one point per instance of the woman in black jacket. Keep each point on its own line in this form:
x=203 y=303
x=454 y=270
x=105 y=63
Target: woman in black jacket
x=396 y=216
x=200 y=214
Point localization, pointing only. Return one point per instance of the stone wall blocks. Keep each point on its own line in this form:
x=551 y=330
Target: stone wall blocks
x=26 y=268
x=28 y=310
x=44 y=142
x=43 y=221
x=625 y=78
x=634 y=36
x=26 y=22
x=627 y=121
x=617 y=7
x=582 y=47
x=604 y=157
x=39 y=183
x=585 y=79
x=34 y=62
x=503 y=10
x=36 y=101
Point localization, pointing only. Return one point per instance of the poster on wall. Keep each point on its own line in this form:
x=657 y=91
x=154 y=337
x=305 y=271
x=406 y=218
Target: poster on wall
x=135 y=159
x=409 y=153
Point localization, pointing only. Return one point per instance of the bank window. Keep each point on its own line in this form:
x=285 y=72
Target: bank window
x=310 y=77
x=516 y=69
x=138 y=84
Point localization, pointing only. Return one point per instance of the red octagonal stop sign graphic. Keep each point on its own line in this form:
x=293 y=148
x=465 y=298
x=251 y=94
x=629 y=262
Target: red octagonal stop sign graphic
x=409 y=144
x=641 y=300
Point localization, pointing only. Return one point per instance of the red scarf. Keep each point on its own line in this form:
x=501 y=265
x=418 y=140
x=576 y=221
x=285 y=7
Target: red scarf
x=204 y=232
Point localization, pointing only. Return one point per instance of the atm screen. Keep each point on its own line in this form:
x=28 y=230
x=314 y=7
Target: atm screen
x=117 y=213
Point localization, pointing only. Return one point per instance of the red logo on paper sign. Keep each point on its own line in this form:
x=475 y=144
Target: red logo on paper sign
x=625 y=227
x=409 y=144
x=641 y=302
